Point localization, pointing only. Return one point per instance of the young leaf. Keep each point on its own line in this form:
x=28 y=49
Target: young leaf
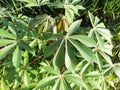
x=4 y=51
x=45 y=82
x=85 y=52
x=85 y=40
x=73 y=27
x=4 y=42
x=16 y=59
x=6 y=34
x=58 y=59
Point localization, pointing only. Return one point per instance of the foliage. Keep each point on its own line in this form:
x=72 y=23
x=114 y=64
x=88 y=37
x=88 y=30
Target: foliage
x=57 y=51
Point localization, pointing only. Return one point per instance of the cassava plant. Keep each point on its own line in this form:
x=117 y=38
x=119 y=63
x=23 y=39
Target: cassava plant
x=55 y=52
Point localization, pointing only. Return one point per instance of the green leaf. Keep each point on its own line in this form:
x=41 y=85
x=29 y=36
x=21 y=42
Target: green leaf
x=76 y=80
x=3 y=85
x=96 y=21
x=58 y=59
x=73 y=8
x=85 y=52
x=49 y=50
x=85 y=68
x=45 y=82
x=106 y=57
x=69 y=14
x=70 y=60
x=98 y=60
x=6 y=34
x=116 y=70
x=4 y=42
x=26 y=78
x=25 y=46
x=16 y=59
x=91 y=18
x=93 y=74
x=56 y=85
x=51 y=70
x=100 y=40
x=65 y=85
x=4 y=51
x=105 y=33
x=79 y=7
x=94 y=83
x=73 y=27
x=85 y=40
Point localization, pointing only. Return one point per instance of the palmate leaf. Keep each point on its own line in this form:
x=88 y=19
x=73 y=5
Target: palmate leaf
x=65 y=85
x=85 y=40
x=45 y=81
x=49 y=50
x=26 y=78
x=91 y=18
x=73 y=27
x=94 y=83
x=85 y=52
x=76 y=80
x=69 y=14
x=70 y=60
x=105 y=33
x=16 y=59
x=56 y=85
x=116 y=70
x=4 y=51
x=106 y=57
x=58 y=59
x=51 y=70
x=6 y=34
x=4 y=42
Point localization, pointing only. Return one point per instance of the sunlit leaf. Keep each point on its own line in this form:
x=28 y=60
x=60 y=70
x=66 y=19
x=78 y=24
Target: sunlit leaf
x=6 y=34
x=76 y=80
x=4 y=42
x=106 y=57
x=56 y=85
x=26 y=78
x=116 y=70
x=65 y=85
x=17 y=57
x=85 y=40
x=85 y=52
x=73 y=27
x=70 y=59
x=51 y=70
x=4 y=51
x=45 y=81
x=91 y=18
